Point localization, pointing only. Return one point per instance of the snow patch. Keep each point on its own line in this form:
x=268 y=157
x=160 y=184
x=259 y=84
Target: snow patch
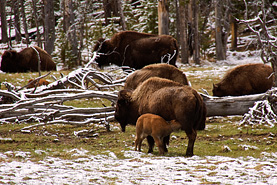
x=140 y=168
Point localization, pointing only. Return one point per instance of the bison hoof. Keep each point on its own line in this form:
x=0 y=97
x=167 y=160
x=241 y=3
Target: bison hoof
x=189 y=154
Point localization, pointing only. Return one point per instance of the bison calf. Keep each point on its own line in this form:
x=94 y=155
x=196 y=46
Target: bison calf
x=155 y=126
x=244 y=80
x=34 y=83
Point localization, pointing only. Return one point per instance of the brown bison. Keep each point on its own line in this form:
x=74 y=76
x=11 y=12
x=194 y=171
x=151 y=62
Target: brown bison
x=166 y=98
x=26 y=60
x=34 y=83
x=136 y=50
x=155 y=126
x=244 y=80
x=159 y=70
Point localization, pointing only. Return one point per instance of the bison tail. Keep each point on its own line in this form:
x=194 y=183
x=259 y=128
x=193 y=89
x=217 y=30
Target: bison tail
x=200 y=113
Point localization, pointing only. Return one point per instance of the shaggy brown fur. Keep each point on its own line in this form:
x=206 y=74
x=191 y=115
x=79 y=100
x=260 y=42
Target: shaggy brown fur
x=37 y=83
x=244 y=80
x=155 y=126
x=159 y=70
x=26 y=60
x=168 y=99
x=134 y=49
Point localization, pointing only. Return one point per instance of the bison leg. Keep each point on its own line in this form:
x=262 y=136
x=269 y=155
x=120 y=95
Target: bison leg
x=136 y=143
x=192 y=137
x=139 y=144
x=150 y=141
x=166 y=142
x=160 y=144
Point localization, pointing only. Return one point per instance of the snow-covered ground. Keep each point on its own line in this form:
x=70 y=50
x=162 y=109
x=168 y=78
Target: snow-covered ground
x=138 y=169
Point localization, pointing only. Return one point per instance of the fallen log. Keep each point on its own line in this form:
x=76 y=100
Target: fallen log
x=238 y=105
x=230 y=105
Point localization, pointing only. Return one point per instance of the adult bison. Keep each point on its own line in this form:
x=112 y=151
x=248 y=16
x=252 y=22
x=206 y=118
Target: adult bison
x=244 y=80
x=159 y=70
x=136 y=50
x=26 y=60
x=166 y=98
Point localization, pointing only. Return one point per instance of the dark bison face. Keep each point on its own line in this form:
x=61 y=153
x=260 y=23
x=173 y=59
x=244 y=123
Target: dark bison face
x=105 y=51
x=218 y=91
x=9 y=61
x=123 y=110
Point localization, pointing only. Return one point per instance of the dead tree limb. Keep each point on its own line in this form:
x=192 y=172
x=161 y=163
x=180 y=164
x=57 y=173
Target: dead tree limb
x=45 y=104
x=227 y=106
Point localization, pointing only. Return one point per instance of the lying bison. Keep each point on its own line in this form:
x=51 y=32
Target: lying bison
x=26 y=60
x=159 y=70
x=35 y=83
x=166 y=98
x=136 y=50
x=244 y=80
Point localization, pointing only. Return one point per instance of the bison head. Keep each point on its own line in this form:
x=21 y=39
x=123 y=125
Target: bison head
x=106 y=52
x=218 y=90
x=125 y=112
x=9 y=61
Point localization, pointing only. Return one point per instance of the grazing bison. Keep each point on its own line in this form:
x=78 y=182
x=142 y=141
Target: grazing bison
x=244 y=80
x=155 y=126
x=166 y=98
x=26 y=60
x=159 y=70
x=136 y=50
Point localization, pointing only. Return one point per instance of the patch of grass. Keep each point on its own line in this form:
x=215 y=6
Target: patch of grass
x=57 y=140
x=205 y=81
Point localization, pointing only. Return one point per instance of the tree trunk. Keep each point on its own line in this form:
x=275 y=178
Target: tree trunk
x=122 y=17
x=226 y=24
x=183 y=31
x=16 y=20
x=107 y=11
x=34 y=2
x=109 y=7
x=66 y=15
x=163 y=17
x=190 y=28
x=24 y=22
x=49 y=23
x=4 y=29
x=228 y=106
x=196 y=51
x=72 y=34
x=177 y=21
x=218 y=31
x=234 y=33
x=71 y=44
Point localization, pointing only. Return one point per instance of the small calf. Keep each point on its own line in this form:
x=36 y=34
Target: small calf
x=155 y=126
x=32 y=83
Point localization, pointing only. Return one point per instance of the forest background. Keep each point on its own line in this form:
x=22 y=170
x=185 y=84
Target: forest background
x=205 y=29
